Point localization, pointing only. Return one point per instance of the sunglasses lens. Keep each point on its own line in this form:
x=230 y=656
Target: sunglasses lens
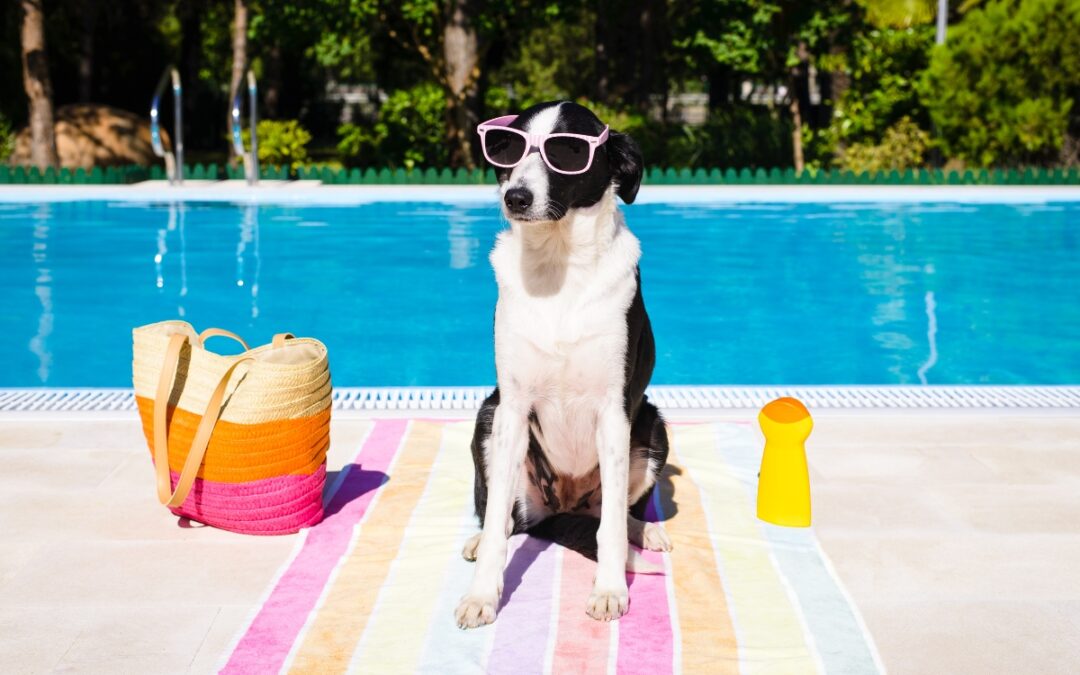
x=504 y=147
x=567 y=154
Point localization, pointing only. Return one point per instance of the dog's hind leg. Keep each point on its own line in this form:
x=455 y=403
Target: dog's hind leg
x=648 y=456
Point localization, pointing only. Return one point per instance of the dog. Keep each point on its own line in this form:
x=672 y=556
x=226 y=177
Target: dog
x=567 y=447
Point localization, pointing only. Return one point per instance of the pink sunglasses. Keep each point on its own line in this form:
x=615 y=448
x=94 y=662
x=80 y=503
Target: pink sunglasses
x=568 y=154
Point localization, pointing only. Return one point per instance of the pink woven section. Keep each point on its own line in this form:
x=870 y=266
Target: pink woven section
x=279 y=505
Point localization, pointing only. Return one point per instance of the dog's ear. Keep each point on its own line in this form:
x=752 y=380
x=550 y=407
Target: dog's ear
x=627 y=167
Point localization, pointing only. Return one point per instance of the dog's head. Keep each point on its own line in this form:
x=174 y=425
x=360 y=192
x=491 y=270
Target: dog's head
x=531 y=191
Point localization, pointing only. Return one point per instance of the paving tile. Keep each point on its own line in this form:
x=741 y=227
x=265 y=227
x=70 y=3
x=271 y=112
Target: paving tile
x=117 y=639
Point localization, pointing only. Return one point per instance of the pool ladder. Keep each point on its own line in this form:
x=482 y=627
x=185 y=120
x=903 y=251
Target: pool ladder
x=174 y=161
x=251 y=159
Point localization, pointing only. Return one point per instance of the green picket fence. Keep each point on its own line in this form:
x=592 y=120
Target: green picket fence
x=115 y=175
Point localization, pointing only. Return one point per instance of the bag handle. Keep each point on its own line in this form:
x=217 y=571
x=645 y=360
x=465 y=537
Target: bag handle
x=280 y=338
x=221 y=332
x=197 y=451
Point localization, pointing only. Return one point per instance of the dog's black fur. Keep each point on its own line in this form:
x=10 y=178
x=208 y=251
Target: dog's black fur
x=617 y=162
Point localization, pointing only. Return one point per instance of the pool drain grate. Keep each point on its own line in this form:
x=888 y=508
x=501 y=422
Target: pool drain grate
x=671 y=397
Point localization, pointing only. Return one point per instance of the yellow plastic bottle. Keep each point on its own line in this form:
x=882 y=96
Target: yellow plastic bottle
x=784 y=482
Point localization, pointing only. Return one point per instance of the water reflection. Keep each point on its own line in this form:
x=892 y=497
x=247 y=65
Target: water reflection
x=39 y=345
x=177 y=215
x=463 y=245
x=931 y=336
x=249 y=234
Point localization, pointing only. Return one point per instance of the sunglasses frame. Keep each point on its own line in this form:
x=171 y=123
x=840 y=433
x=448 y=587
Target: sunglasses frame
x=536 y=141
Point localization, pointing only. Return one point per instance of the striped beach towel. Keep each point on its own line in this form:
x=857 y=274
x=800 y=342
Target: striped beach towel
x=373 y=588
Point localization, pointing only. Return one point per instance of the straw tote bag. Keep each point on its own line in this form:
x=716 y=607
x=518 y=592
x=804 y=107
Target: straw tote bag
x=238 y=442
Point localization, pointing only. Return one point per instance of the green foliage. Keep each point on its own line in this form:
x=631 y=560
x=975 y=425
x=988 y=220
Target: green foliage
x=410 y=132
x=899 y=13
x=554 y=61
x=884 y=67
x=7 y=139
x=903 y=146
x=1002 y=91
x=281 y=143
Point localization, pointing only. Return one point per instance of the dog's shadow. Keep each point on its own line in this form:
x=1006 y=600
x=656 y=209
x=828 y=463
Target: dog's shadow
x=663 y=506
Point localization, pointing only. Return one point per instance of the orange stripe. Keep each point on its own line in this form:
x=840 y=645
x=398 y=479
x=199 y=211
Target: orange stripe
x=238 y=453
x=708 y=634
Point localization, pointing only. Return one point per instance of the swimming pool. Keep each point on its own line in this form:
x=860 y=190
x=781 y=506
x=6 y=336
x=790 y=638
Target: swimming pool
x=402 y=293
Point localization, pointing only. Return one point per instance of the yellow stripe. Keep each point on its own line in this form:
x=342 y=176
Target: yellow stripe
x=708 y=636
x=770 y=635
x=395 y=640
x=334 y=633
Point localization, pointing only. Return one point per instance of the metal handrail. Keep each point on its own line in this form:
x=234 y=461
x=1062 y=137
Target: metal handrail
x=174 y=161
x=251 y=159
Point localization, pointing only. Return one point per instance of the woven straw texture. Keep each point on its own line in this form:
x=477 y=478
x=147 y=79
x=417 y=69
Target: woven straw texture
x=265 y=464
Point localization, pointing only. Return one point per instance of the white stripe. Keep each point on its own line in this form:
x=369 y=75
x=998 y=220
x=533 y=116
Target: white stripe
x=553 y=622
x=613 y=647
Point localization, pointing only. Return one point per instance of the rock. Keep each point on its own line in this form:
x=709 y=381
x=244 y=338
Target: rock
x=89 y=135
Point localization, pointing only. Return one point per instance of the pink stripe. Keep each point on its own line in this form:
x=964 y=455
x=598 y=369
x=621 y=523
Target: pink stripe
x=582 y=643
x=266 y=643
x=521 y=629
x=645 y=637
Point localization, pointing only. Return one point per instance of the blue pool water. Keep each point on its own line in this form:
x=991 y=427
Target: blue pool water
x=402 y=293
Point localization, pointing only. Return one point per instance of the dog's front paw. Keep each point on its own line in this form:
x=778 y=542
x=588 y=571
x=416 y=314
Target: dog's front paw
x=469 y=550
x=608 y=605
x=655 y=538
x=476 y=611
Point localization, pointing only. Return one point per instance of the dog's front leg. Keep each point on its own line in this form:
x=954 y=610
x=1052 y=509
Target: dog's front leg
x=507 y=446
x=610 y=597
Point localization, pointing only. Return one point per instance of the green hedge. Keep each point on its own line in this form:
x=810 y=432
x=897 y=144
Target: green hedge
x=655 y=176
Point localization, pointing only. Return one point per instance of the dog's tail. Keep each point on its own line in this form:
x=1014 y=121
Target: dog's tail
x=577 y=532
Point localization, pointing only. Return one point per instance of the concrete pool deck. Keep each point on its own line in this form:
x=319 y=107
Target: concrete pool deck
x=956 y=532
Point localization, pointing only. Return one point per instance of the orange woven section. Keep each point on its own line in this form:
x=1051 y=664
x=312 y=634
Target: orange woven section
x=239 y=453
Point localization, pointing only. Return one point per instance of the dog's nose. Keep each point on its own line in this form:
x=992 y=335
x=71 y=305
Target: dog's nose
x=518 y=200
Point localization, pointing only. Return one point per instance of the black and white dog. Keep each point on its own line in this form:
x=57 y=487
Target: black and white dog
x=567 y=448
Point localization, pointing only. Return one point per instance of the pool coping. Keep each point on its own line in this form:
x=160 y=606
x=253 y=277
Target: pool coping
x=705 y=398
x=313 y=193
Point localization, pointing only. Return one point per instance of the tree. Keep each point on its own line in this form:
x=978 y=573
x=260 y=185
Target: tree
x=38 y=86
x=1003 y=89
x=772 y=41
x=239 y=58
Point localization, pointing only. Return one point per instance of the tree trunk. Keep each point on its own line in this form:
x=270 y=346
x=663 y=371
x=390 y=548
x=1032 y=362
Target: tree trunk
x=462 y=60
x=239 y=60
x=86 y=51
x=796 y=83
x=38 y=86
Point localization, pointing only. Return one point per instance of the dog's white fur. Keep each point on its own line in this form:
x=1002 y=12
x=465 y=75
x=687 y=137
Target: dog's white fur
x=560 y=350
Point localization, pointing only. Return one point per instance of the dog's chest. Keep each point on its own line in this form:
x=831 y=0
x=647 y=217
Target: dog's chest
x=564 y=353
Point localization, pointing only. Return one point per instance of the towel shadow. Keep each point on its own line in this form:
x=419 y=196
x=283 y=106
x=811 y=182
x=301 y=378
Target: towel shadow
x=357 y=482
